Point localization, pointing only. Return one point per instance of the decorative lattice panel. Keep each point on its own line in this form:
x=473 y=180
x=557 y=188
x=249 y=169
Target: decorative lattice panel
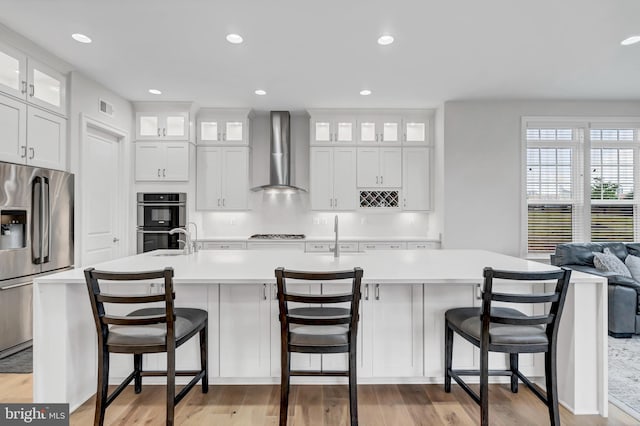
x=378 y=199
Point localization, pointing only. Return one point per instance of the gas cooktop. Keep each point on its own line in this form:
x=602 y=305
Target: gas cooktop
x=277 y=237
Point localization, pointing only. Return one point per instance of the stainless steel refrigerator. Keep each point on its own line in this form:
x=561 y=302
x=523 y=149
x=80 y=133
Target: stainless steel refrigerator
x=36 y=238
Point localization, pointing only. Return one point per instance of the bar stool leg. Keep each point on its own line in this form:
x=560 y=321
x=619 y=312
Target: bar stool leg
x=353 y=385
x=285 y=359
x=484 y=386
x=171 y=385
x=552 y=386
x=513 y=366
x=137 y=368
x=203 y=358
x=448 y=355
x=103 y=385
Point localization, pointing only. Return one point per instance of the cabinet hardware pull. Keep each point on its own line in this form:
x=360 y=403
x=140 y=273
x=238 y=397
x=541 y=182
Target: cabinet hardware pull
x=224 y=136
x=381 y=180
x=164 y=172
x=318 y=247
x=218 y=202
x=478 y=292
x=158 y=172
x=223 y=200
x=377 y=138
x=395 y=247
x=24 y=87
x=405 y=137
x=405 y=202
x=33 y=153
x=264 y=291
x=224 y=246
x=330 y=202
x=376 y=180
x=366 y=292
x=335 y=202
x=33 y=90
x=377 y=291
x=158 y=131
x=164 y=131
x=24 y=151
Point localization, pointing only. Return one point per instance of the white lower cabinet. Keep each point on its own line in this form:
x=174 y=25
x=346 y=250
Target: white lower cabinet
x=222 y=245
x=245 y=328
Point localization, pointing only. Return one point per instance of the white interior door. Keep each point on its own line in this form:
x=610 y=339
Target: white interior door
x=100 y=191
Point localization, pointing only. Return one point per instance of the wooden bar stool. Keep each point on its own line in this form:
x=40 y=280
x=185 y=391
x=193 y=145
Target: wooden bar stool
x=318 y=330
x=507 y=330
x=143 y=331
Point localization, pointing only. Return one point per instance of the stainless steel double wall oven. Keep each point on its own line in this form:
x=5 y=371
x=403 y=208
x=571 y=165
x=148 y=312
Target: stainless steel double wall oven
x=158 y=213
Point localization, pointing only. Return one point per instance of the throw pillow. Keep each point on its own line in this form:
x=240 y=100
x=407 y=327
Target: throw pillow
x=633 y=263
x=609 y=262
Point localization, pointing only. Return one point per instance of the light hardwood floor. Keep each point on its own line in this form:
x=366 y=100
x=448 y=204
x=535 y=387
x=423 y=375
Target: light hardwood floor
x=379 y=405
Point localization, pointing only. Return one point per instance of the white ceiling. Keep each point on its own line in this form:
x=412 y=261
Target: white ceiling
x=322 y=53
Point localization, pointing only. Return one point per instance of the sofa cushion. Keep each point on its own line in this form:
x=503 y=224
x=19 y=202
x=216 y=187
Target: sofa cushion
x=582 y=253
x=609 y=262
x=633 y=263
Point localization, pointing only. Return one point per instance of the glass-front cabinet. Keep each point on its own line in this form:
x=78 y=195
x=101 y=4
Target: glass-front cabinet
x=380 y=129
x=223 y=127
x=339 y=129
x=172 y=126
x=30 y=80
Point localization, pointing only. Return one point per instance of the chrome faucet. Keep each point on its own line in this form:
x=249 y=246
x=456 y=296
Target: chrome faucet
x=194 y=242
x=187 y=239
x=336 y=249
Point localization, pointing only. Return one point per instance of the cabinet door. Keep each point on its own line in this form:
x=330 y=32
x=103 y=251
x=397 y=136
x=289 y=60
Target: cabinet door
x=150 y=160
x=46 y=139
x=368 y=166
x=390 y=167
x=416 y=188
x=234 y=131
x=148 y=126
x=321 y=130
x=345 y=195
x=13 y=71
x=209 y=131
x=175 y=126
x=235 y=178
x=321 y=178
x=397 y=330
x=47 y=87
x=245 y=312
x=13 y=122
x=389 y=128
x=437 y=300
x=177 y=161
x=416 y=131
x=344 y=130
x=209 y=178
x=368 y=131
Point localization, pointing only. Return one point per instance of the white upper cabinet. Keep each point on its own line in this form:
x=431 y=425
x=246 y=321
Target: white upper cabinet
x=333 y=178
x=333 y=129
x=162 y=161
x=379 y=167
x=173 y=126
x=223 y=127
x=416 y=179
x=30 y=80
x=13 y=122
x=222 y=181
x=416 y=129
x=375 y=129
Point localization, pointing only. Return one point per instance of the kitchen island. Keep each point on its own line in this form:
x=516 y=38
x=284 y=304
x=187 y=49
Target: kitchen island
x=405 y=294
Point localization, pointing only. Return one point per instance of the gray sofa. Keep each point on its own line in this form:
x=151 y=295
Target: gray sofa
x=624 y=293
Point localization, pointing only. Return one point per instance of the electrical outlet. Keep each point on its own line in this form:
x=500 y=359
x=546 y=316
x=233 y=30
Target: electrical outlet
x=232 y=221
x=316 y=221
x=363 y=221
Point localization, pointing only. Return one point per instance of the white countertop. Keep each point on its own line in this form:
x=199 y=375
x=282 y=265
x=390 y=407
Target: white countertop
x=314 y=238
x=257 y=266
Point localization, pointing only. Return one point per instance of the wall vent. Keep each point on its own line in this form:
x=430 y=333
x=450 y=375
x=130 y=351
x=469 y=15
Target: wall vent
x=106 y=108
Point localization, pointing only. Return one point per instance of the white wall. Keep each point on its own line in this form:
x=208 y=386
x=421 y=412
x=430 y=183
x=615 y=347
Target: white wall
x=482 y=166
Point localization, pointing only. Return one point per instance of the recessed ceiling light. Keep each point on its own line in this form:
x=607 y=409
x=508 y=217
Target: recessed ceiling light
x=630 y=40
x=234 y=38
x=365 y=92
x=155 y=92
x=260 y=92
x=385 y=40
x=81 y=38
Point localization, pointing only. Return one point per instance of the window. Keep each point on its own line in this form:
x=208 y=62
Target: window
x=580 y=183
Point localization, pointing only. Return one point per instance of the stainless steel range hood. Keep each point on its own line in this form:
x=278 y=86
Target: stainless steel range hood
x=280 y=154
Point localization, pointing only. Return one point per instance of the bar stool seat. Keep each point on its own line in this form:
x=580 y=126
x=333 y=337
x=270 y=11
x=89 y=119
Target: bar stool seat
x=187 y=322
x=469 y=322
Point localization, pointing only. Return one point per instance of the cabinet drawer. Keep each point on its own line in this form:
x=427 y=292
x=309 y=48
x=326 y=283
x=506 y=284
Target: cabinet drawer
x=224 y=245
x=326 y=247
x=382 y=246
x=418 y=245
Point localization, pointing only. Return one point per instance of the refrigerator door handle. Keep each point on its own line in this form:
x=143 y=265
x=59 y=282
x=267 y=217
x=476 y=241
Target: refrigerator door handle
x=46 y=221
x=36 y=220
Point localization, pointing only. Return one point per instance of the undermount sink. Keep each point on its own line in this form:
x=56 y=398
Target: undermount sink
x=167 y=253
